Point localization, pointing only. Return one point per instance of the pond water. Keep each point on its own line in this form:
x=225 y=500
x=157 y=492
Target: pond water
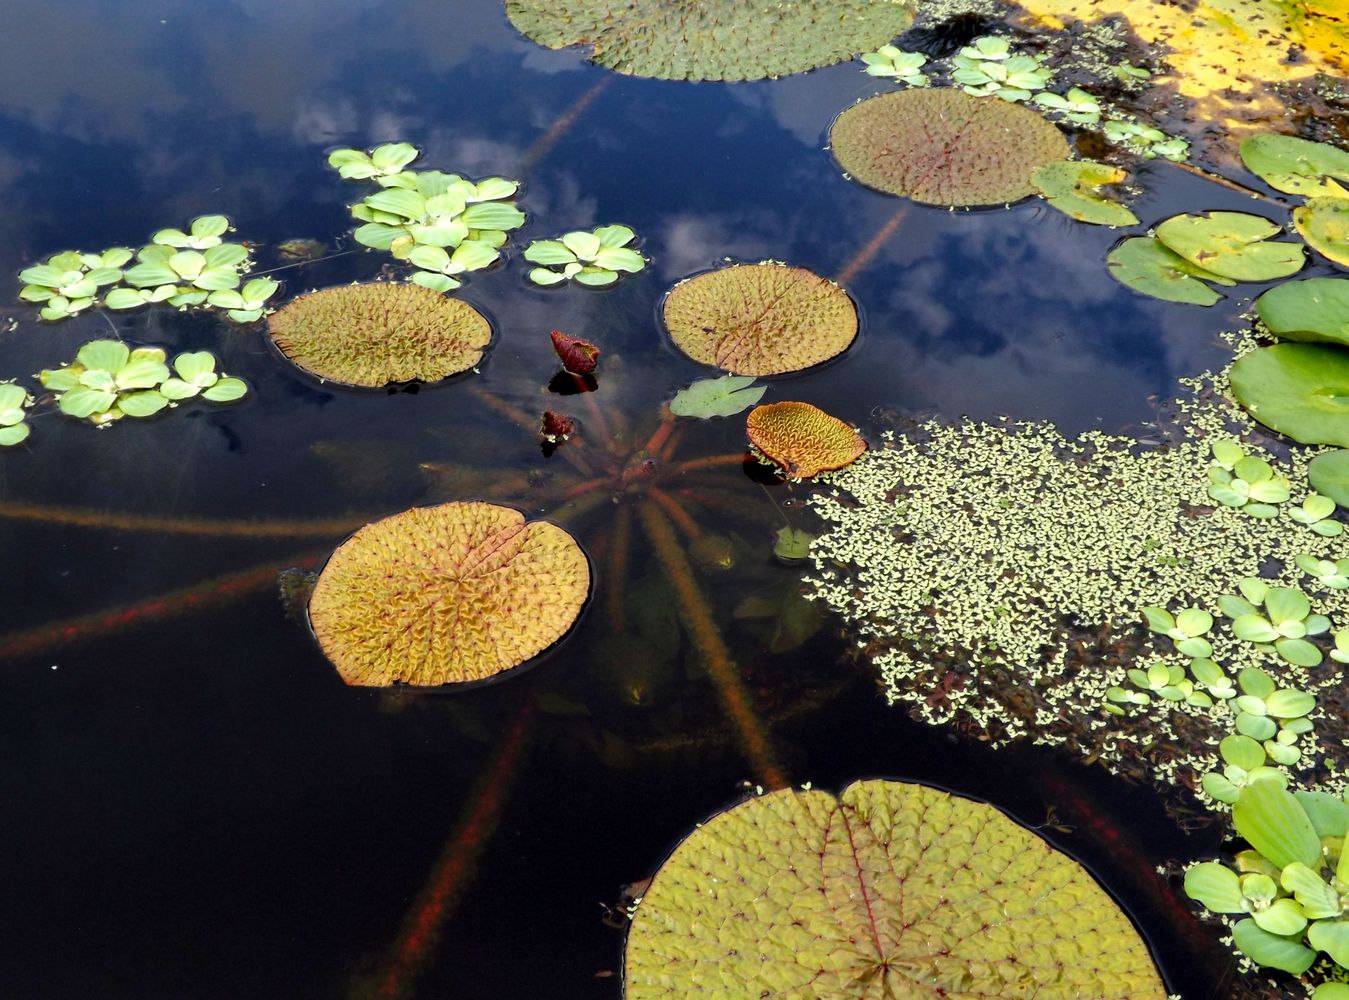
x=197 y=806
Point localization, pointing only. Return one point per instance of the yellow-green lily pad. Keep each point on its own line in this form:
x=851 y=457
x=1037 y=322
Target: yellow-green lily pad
x=1298 y=166
x=1146 y=266
x=1329 y=476
x=890 y=890
x=1314 y=310
x=1301 y=390
x=1324 y=224
x=1234 y=244
x=1073 y=187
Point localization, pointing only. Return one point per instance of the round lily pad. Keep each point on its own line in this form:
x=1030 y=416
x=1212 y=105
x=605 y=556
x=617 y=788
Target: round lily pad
x=1073 y=187
x=1324 y=224
x=713 y=39
x=1298 y=166
x=1314 y=310
x=890 y=890
x=1329 y=476
x=1146 y=266
x=944 y=147
x=446 y=595
x=377 y=333
x=1235 y=245
x=1301 y=390
x=802 y=439
x=760 y=319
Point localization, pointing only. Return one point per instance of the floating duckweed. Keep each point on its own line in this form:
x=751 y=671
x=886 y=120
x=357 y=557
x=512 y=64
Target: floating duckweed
x=373 y=334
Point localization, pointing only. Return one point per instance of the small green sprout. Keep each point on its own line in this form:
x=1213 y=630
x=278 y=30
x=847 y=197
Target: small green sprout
x=196 y=375
x=1334 y=575
x=14 y=402
x=355 y=165
x=1145 y=140
x=1286 y=622
x=68 y=282
x=1186 y=629
x=1244 y=481
x=1244 y=761
x=903 y=67
x=1315 y=512
x=204 y=232
x=1208 y=675
x=248 y=304
x=1076 y=106
x=593 y=258
x=1340 y=654
x=1262 y=708
x=987 y=48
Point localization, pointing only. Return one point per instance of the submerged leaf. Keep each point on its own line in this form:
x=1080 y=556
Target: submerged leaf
x=717 y=397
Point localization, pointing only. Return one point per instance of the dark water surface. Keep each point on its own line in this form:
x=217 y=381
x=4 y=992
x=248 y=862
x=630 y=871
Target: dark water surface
x=195 y=805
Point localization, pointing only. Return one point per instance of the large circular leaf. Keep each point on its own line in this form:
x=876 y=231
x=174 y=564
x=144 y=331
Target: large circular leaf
x=760 y=319
x=1145 y=265
x=1235 y=245
x=891 y=890
x=376 y=333
x=713 y=39
x=802 y=439
x=944 y=147
x=1329 y=476
x=447 y=594
x=1301 y=390
x=1324 y=224
x=1297 y=166
x=1314 y=310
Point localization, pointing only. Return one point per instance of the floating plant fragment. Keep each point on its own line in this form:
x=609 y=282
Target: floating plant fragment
x=792 y=544
x=716 y=39
x=196 y=375
x=1329 y=475
x=1301 y=390
x=1186 y=629
x=382 y=161
x=14 y=401
x=68 y=282
x=1297 y=166
x=1334 y=575
x=1246 y=482
x=578 y=357
x=1145 y=265
x=373 y=334
x=1077 y=106
x=1235 y=245
x=1144 y=140
x=1314 y=310
x=109 y=380
x=801 y=439
x=807 y=894
x=724 y=396
x=1073 y=187
x=1315 y=512
x=944 y=147
x=204 y=232
x=903 y=67
x=248 y=304
x=760 y=319
x=1324 y=224
x=556 y=428
x=593 y=258
x=447 y=594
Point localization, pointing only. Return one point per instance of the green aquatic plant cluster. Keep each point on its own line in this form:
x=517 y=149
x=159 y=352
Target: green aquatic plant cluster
x=593 y=258
x=443 y=224
x=14 y=403
x=195 y=267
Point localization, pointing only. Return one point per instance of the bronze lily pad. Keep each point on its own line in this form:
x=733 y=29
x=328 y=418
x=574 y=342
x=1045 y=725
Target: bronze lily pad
x=945 y=147
x=376 y=333
x=802 y=439
x=447 y=594
x=760 y=319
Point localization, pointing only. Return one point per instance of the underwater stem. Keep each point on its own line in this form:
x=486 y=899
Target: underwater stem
x=707 y=462
x=528 y=424
x=676 y=513
x=873 y=246
x=80 y=517
x=707 y=639
x=617 y=566
x=559 y=128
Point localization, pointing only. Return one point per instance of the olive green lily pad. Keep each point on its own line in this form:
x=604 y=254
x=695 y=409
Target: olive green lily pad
x=1324 y=224
x=1297 y=166
x=1234 y=244
x=713 y=39
x=945 y=147
x=889 y=890
x=1146 y=266
x=1329 y=476
x=1301 y=390
x=1314 y=310
x=1073 y=187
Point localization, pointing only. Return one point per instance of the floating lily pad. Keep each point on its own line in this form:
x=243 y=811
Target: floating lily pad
x=1146 y=266
x=802 y=439
x=446 y=595
x=375 y=333
x=1072 y=186
x=1301 y=390
x=1324 y=224
x=760 y=319
x=1297 y=166
x=713 y=39
x=944 y=147
x=889 y=890
x=717 y=397
x=1233 y=244
x=1329 y=476
x=1314 y=310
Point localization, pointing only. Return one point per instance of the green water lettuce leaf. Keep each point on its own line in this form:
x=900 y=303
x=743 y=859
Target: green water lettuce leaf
x=1073 y=187
x=1145 y=265
x=1296 y=166
x=1233 y=244
x=1324 y=224
x=1314 y=310
x=1274 y=823
x=717 y=397
x=1301 y=390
